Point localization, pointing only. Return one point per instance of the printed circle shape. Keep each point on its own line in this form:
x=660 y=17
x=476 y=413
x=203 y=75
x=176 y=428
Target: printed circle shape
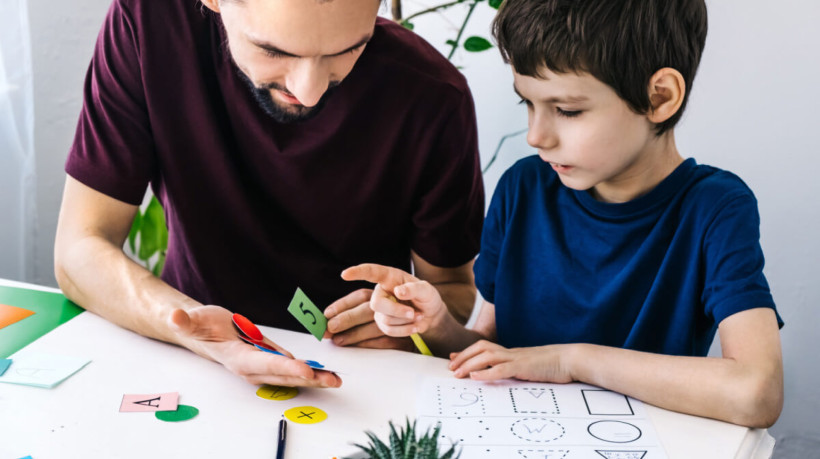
x=279 y=393
x=537 y=429
x=183 y=413
x=305 y=415
x=614 y=431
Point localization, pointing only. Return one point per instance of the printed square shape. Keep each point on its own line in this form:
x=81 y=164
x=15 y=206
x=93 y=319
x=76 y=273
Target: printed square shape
x=602 y=402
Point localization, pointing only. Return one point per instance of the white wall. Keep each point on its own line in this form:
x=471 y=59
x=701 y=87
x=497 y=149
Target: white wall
x=17 y=181
x=753 y=111
x=63 y=35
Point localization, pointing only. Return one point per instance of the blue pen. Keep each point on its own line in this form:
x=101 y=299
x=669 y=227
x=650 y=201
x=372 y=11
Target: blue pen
x=283 y=428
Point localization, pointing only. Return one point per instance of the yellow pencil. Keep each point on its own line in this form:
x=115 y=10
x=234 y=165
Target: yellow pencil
x=420 y=344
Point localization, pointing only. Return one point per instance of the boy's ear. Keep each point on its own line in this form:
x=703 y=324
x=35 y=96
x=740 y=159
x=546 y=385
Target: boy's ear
x=666 y=90
x=212 y=5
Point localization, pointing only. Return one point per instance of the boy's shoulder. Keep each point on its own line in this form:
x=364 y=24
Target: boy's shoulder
x=715 y=185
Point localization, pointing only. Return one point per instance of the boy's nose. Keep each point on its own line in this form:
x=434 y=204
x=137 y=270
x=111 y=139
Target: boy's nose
x=540 y=134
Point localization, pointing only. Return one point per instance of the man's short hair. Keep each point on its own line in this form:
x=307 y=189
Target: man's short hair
x=620 y=42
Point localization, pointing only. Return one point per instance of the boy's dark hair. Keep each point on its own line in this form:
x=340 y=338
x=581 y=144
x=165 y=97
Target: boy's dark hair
x=620 y=42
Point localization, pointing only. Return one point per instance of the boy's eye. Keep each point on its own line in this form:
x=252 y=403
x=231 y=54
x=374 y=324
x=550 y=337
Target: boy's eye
x=524 y=101
x=567 y=113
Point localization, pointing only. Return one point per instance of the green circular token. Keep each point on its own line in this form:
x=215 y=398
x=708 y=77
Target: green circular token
x=183 y=413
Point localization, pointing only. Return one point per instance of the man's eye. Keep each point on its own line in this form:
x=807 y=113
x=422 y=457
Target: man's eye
x=568 y=113
x=273 y=54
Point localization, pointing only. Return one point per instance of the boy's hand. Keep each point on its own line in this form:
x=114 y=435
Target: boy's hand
x=486 y=361
x=209 y=332
x=421 y=307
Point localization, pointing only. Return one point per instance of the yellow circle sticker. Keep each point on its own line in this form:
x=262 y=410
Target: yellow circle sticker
x=277 y=392
x=305 y=415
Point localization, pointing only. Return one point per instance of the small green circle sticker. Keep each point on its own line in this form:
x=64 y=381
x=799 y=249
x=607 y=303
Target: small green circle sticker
x=183 y=413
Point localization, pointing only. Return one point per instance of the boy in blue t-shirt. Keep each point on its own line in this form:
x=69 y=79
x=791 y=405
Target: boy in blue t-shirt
x=608 y=258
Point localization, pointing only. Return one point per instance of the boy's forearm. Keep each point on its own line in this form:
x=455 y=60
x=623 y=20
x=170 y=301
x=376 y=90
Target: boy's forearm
x=98 y=276
x=718 y=388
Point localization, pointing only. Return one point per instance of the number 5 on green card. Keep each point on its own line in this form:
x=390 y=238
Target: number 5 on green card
x=308 y=314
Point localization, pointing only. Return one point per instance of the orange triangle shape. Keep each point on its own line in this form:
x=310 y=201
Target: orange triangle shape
x=12 y=314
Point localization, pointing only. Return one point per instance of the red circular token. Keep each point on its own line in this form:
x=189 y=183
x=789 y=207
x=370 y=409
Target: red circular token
x=247 y=327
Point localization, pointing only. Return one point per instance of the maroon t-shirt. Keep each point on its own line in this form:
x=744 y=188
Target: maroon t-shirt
x=256 y=208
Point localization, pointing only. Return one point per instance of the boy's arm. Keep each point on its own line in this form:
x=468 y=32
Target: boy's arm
x=744 y=386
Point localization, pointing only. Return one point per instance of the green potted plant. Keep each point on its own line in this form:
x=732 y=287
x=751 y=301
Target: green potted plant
x=405 y=443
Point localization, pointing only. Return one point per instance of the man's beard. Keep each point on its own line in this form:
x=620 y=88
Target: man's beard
x=281 y=112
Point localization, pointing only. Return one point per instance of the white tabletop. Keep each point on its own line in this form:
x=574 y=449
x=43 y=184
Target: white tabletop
x=80 y=417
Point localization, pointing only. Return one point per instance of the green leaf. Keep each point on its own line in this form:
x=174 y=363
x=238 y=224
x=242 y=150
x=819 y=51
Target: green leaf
x=451 y=42
x=154 y=237
x=408 y=25
x=476 y=44
x=159 y=265
x=495 y=3
x=135 y=229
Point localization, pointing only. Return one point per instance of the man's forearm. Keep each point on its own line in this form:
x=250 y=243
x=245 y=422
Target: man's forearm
x=98 y=276
x=459 y=297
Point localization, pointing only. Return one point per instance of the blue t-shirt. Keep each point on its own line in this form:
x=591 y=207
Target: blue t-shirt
x=656 y=274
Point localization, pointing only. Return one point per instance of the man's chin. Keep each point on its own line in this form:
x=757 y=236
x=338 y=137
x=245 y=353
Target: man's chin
x=289 y=113
x=282 y=112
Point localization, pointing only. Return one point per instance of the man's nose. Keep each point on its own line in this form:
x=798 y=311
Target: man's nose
x=308 y=80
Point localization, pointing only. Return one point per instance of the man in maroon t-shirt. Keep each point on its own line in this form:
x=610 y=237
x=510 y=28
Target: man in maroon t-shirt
x=286 y=140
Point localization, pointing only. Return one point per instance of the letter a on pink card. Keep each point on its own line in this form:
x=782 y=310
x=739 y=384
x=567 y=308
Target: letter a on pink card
x=149 y=402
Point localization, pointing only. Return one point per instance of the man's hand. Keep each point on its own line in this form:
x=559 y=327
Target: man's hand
x=350 y=323
x=486 y=361
x=209 y=331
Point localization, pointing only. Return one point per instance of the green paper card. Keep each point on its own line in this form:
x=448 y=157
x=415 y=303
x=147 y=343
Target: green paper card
x=51 y=310
x=308 y=314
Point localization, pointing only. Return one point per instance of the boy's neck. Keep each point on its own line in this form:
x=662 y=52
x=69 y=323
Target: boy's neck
x=650 y=169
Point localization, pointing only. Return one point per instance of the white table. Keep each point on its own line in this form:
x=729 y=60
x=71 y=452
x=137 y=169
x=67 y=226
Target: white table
x=80 y=417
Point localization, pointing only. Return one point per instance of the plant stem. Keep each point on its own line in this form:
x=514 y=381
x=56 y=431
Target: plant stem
x=461 y=30
x=396 y=10
x=431 y=9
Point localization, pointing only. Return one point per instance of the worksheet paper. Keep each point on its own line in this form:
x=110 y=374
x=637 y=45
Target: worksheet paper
x=516 y=419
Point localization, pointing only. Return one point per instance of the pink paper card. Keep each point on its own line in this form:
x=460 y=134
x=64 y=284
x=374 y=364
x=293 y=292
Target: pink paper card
x=149 y=402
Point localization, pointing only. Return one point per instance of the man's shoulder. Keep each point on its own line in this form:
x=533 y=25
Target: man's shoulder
x=407 y=57
x=170 y=16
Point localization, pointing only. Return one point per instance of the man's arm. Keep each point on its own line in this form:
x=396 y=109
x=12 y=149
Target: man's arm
x=744 y=386
x=94 y=272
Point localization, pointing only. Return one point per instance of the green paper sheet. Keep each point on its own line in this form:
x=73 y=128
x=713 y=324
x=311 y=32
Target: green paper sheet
x=308 y=314
x=51 y=310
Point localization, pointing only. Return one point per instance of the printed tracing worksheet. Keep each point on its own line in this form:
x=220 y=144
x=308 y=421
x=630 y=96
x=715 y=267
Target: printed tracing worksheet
x=516 y=419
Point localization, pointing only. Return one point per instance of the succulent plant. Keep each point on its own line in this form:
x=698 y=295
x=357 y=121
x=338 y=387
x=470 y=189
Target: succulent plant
x=404 y=444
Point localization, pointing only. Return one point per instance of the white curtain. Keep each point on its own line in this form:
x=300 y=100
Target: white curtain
x=17 y=165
